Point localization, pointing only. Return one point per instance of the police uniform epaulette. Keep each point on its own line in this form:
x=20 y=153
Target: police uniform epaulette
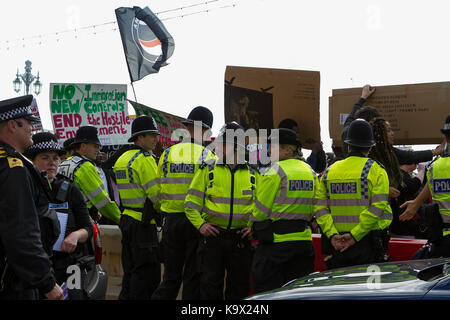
x=13 y=161
x=379 y=163
x=206 y=162
x=146 y=153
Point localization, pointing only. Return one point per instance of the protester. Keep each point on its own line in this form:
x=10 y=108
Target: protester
x=69 y=203
x=25 y=267
x=412 y=185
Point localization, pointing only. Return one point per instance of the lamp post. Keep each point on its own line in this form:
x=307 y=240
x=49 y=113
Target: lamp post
x=27 y=78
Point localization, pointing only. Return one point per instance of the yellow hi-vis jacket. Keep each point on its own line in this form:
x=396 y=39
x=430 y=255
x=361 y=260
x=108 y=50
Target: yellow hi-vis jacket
x=286 y=192
x=353 y=197
x=83 y=173
x=137 y=180
x=220 y=195
x=438 y=176
x=177 y=166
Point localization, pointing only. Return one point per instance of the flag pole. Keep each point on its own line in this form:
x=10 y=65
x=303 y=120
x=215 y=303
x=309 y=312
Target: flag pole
x=134 y=92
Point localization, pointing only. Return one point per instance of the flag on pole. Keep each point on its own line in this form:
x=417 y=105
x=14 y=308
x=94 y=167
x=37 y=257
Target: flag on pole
x=146 y=42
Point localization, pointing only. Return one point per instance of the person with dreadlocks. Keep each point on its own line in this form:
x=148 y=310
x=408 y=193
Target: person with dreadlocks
x=390 y=157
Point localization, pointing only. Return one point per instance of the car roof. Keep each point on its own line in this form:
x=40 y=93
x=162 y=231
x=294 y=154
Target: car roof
x=406 y=279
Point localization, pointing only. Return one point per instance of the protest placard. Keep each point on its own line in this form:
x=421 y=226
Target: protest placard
x=101 y=105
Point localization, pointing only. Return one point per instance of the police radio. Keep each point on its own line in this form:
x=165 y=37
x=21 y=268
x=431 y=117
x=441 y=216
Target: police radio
x=62 y=192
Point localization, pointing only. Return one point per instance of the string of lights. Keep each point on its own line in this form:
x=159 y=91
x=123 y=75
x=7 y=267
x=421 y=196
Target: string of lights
x=101 y=28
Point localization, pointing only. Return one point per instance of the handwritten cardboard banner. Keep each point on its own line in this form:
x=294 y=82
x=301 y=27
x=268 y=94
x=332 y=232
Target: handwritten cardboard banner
x=101 y=105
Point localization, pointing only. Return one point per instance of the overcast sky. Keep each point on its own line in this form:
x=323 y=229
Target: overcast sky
x=350 y=42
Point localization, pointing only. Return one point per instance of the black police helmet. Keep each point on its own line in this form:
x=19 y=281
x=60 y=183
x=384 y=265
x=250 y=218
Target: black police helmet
x=360 y=134
x=87 y=134
x=142 y=125
x=68 y=144
x=285 y=136
x=202 y=114
x=446 y=129
x=223 y=137
x=43 y=142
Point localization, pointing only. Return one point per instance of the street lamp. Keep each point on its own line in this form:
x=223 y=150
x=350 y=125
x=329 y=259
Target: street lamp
x=27 y=78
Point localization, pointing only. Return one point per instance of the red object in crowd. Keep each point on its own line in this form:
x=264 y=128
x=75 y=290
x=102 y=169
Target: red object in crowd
x=400 y=249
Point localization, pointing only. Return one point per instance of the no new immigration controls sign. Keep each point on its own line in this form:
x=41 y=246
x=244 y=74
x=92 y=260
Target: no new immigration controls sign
x=101 y=105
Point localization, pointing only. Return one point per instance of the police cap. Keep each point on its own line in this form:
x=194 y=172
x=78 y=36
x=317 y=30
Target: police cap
x=15 y=108
x=43 y=142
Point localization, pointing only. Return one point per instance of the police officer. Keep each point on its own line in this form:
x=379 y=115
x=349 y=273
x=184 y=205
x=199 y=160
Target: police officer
x=219 y=204
x=80 y=168
x=68 y=202
x=438 y=187
x=176 y=168
x=352 y=207
x=25 y=268
x=68 y=148
x=136 y=176
x=283 y=208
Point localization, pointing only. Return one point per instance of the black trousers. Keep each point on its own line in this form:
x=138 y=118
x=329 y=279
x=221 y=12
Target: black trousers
x=226 y=252
x=141 y=266
x=275 y=264
x=179 y=242
x=441 y=248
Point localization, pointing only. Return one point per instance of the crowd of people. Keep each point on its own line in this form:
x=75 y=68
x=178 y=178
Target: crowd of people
x=228 y=226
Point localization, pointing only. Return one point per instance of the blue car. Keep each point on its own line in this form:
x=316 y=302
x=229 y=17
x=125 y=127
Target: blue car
x=427 y=279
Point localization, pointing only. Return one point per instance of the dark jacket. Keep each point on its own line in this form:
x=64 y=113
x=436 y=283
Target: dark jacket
x=20 y=242
x=72 y=203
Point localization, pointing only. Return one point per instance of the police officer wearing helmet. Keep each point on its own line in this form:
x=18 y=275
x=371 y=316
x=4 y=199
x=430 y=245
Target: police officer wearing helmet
x=352 y=207
x=438 y=187
x=67 y=200
x=80 y=168
x=177 y=166
x=136 y=177
x=25 y=268
x=283 y=209
x=219 y=204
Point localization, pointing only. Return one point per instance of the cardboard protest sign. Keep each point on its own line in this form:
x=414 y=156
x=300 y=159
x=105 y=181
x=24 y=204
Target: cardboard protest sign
x=415 y=111
x=101 y=105
x=271 y=95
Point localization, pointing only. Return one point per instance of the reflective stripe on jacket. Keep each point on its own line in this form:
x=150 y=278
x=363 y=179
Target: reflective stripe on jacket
x=286 y=192
x=220 y=195
x=83 y=173
x=353 y=197
x=176 y=168
x=438 y=176
x=137 y=180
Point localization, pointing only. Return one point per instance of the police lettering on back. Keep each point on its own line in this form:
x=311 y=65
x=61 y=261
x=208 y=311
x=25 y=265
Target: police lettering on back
x=441 y=185
x=182 y=168
x=300 y=185
x=343 y=187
